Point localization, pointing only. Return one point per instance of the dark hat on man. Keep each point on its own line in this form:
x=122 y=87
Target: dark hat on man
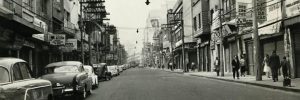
x=274 y=51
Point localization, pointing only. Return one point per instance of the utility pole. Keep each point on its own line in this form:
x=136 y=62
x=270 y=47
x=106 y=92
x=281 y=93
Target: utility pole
x=256 y=43
x=221 y=43
x=183 y=51
x=81 y=33
x=97 y=48
x=90 y=44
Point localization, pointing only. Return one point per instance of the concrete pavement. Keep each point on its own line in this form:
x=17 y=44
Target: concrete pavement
x=152 y=84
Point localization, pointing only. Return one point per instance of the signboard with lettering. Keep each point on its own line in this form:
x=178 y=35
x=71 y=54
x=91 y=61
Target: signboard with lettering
x=70 y=45
x=39 y=36
x=261 y=11
x=57 y=39
x=274 y=11
x=244 y=18
x=292 y=8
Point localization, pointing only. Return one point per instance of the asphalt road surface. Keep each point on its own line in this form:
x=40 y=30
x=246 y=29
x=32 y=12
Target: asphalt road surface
x=150 y=84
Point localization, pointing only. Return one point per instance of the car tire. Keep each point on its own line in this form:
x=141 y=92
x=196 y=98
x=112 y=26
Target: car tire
x=107 y=78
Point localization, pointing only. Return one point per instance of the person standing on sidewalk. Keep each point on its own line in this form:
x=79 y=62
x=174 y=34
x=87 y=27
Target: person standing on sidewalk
x=235 y=67
x=193 y=65
x=217 y=66
x=267 y=68
x=243 y=66
x=285 y=67
x=274 y=65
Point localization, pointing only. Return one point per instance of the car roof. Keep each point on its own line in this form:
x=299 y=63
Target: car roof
x=63 y=63
x=8 y=61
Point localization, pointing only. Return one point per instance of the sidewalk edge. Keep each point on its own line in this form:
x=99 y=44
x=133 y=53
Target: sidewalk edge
x=251 y=83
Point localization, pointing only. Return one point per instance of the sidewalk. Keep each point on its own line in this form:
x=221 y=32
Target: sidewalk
x=267 y=82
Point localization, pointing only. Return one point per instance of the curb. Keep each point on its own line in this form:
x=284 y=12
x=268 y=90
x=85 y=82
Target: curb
x=250 y=83
x=173 y=72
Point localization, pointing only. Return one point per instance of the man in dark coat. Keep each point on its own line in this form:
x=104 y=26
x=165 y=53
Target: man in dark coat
x=217 y=66
x=235 y=67
x=274 y=63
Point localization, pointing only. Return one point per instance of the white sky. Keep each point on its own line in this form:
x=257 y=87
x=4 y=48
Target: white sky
x=127 y=16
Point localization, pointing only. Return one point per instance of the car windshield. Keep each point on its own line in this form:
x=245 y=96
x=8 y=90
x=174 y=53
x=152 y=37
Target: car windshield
x=66 y=69
x=4 y=76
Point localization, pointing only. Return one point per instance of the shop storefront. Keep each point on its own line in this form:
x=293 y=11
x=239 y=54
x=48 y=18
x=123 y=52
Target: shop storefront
x=204 y=56
x=295 y=46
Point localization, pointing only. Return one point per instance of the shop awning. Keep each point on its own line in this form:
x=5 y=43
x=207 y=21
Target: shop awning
x=292 y=21
x=270 y=29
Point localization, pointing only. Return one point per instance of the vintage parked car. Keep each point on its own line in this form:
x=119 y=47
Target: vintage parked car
x=120 y=69
x=102 y=72
x=68 y=78
x=17 y=83
x=113 y=70
x=91 y=73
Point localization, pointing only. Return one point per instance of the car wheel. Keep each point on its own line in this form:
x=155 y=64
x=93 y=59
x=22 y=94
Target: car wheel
x=107 y=78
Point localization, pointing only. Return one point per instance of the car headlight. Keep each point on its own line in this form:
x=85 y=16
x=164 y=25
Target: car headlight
x=59 y=84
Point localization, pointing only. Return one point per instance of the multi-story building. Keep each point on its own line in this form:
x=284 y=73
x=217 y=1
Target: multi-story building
x=180 y=21
x=39 y=31
x=22 y=29
x=201 y=31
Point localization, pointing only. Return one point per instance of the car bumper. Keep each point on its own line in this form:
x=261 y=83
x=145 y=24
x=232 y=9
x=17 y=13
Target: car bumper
x=63 y=91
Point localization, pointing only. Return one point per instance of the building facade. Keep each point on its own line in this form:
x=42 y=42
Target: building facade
x=40 y=31
x=201 y=32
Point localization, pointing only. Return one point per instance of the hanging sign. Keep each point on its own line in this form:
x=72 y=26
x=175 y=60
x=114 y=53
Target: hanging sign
x=292 y=8
x=57 y=39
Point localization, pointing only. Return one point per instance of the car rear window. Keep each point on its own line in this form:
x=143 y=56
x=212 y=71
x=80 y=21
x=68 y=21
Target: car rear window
x=4 y=76
x=66 y=69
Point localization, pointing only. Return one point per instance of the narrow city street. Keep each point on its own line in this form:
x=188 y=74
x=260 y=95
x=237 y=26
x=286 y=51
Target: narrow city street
x=150 y=84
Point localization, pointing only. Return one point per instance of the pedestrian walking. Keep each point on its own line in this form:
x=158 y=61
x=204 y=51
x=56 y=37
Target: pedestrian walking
x=188 y=67
x=217 y=66
x=193 y=65
x=285 y=68
x=170 y=65
x=235 y=67
x=266 y=65
x=243 y=66
x=274 y=65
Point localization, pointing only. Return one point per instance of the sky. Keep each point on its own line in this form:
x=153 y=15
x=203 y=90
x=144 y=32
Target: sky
x=128 y=16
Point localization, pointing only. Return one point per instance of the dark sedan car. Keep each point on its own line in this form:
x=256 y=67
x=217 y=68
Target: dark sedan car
x=102 y=72
x=16 y=82
x=68 y=78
